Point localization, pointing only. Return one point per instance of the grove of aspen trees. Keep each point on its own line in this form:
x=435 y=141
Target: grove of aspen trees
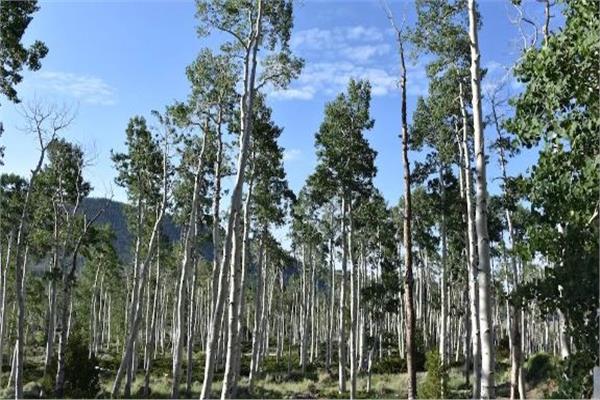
x=473 y=272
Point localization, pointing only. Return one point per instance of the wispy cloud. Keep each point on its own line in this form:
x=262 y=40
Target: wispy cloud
x=500 y=77
x=335 y=55
x=335 y=38
x=85 y=88
x=291 y=154
x=331 y=78
x=306 y=92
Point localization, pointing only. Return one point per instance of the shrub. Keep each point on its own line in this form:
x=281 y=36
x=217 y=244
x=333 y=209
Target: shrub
x=431 y=387
x=389 y=365
x=32 y=390
x=539 y=367
x=574 y=377
x=503 y=348
x=81 y=371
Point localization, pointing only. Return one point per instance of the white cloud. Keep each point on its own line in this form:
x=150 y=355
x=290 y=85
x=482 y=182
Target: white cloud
x=500 y=77
x=365 y=53
x=291 y=154
x=331 y=78
x=335 y=55
x=355 y=42
x=87 y=89
x=364 y=33
x=300 y=93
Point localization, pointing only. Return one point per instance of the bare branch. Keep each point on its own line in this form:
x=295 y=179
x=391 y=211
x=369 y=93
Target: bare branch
x=45 y=120
x=528 y=40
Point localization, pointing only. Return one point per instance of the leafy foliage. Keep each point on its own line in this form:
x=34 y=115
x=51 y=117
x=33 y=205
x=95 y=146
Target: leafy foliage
x=15 y=17
x=431 y=387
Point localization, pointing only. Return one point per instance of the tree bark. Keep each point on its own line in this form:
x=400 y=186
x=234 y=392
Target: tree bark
x=483 y=246
x=188 y=248
x=472 y=253
x=241 y=253
x=409 y=317
x=342 y=312
x=444 y=332
x=353 y=305
x=246 y=108
x=135 y=311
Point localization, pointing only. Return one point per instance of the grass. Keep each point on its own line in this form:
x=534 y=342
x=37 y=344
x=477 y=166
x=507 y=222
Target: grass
x=274 y=382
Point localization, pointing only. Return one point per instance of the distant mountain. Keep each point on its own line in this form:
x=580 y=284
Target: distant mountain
x=114 y=215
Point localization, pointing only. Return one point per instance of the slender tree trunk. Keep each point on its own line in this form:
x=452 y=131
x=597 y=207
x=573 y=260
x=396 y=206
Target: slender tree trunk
x=240 y=296
x=3 y=313
x=444 y=333
x=135 y=311
x=258 y=310
x=472 y=254
x=152 y=339
x=241 y=252
x=353 y=305
x=483 y=246
x=514 y=312
x=67 y=308
x=342 y=311
x=409 y=317
x=331 y=319
x=563 y=337
x=51 y=319
x=236 y=200
x=188 y=247
x=190 y=332
x=303 y=310
x=20 y=292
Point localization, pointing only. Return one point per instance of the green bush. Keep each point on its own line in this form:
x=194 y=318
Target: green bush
x=81 y=371
x=503 y=348
x=431 y=387
x=539 y=367
x=574 y=377
x=389 y=365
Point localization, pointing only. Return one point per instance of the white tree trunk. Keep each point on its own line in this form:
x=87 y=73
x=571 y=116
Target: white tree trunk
x=342 y=313
x=246 y=108
x=188 y=247
x=472 y=254
x=483 y=245
x=353 y=306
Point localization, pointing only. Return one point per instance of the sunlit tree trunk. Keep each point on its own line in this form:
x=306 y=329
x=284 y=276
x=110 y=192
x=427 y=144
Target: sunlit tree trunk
x=135 y=312
x=331 y=319
x=186 y=263
x=342 y=312
x=409 y=314
x=246 y=107
x=472 y=253
x=444 y=332
x=4 y=272
x=151 y=344
x=241 y=252
x=483 y=245
x=353 y=304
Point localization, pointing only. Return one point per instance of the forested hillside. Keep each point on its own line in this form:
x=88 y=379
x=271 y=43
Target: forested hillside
x=214 y=276
x=113 y=213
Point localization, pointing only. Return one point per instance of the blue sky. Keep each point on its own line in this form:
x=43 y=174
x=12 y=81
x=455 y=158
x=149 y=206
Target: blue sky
x=116 y=59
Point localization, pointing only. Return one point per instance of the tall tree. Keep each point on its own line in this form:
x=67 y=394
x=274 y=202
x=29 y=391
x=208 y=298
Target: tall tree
x=145 y=171
x=481 y=220
x=345 y=169
x=263 y=24
x=46 y=122
x=558 y=111
x=15 y=17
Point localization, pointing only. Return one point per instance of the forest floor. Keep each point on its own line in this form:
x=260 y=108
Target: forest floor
x=275 y=382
